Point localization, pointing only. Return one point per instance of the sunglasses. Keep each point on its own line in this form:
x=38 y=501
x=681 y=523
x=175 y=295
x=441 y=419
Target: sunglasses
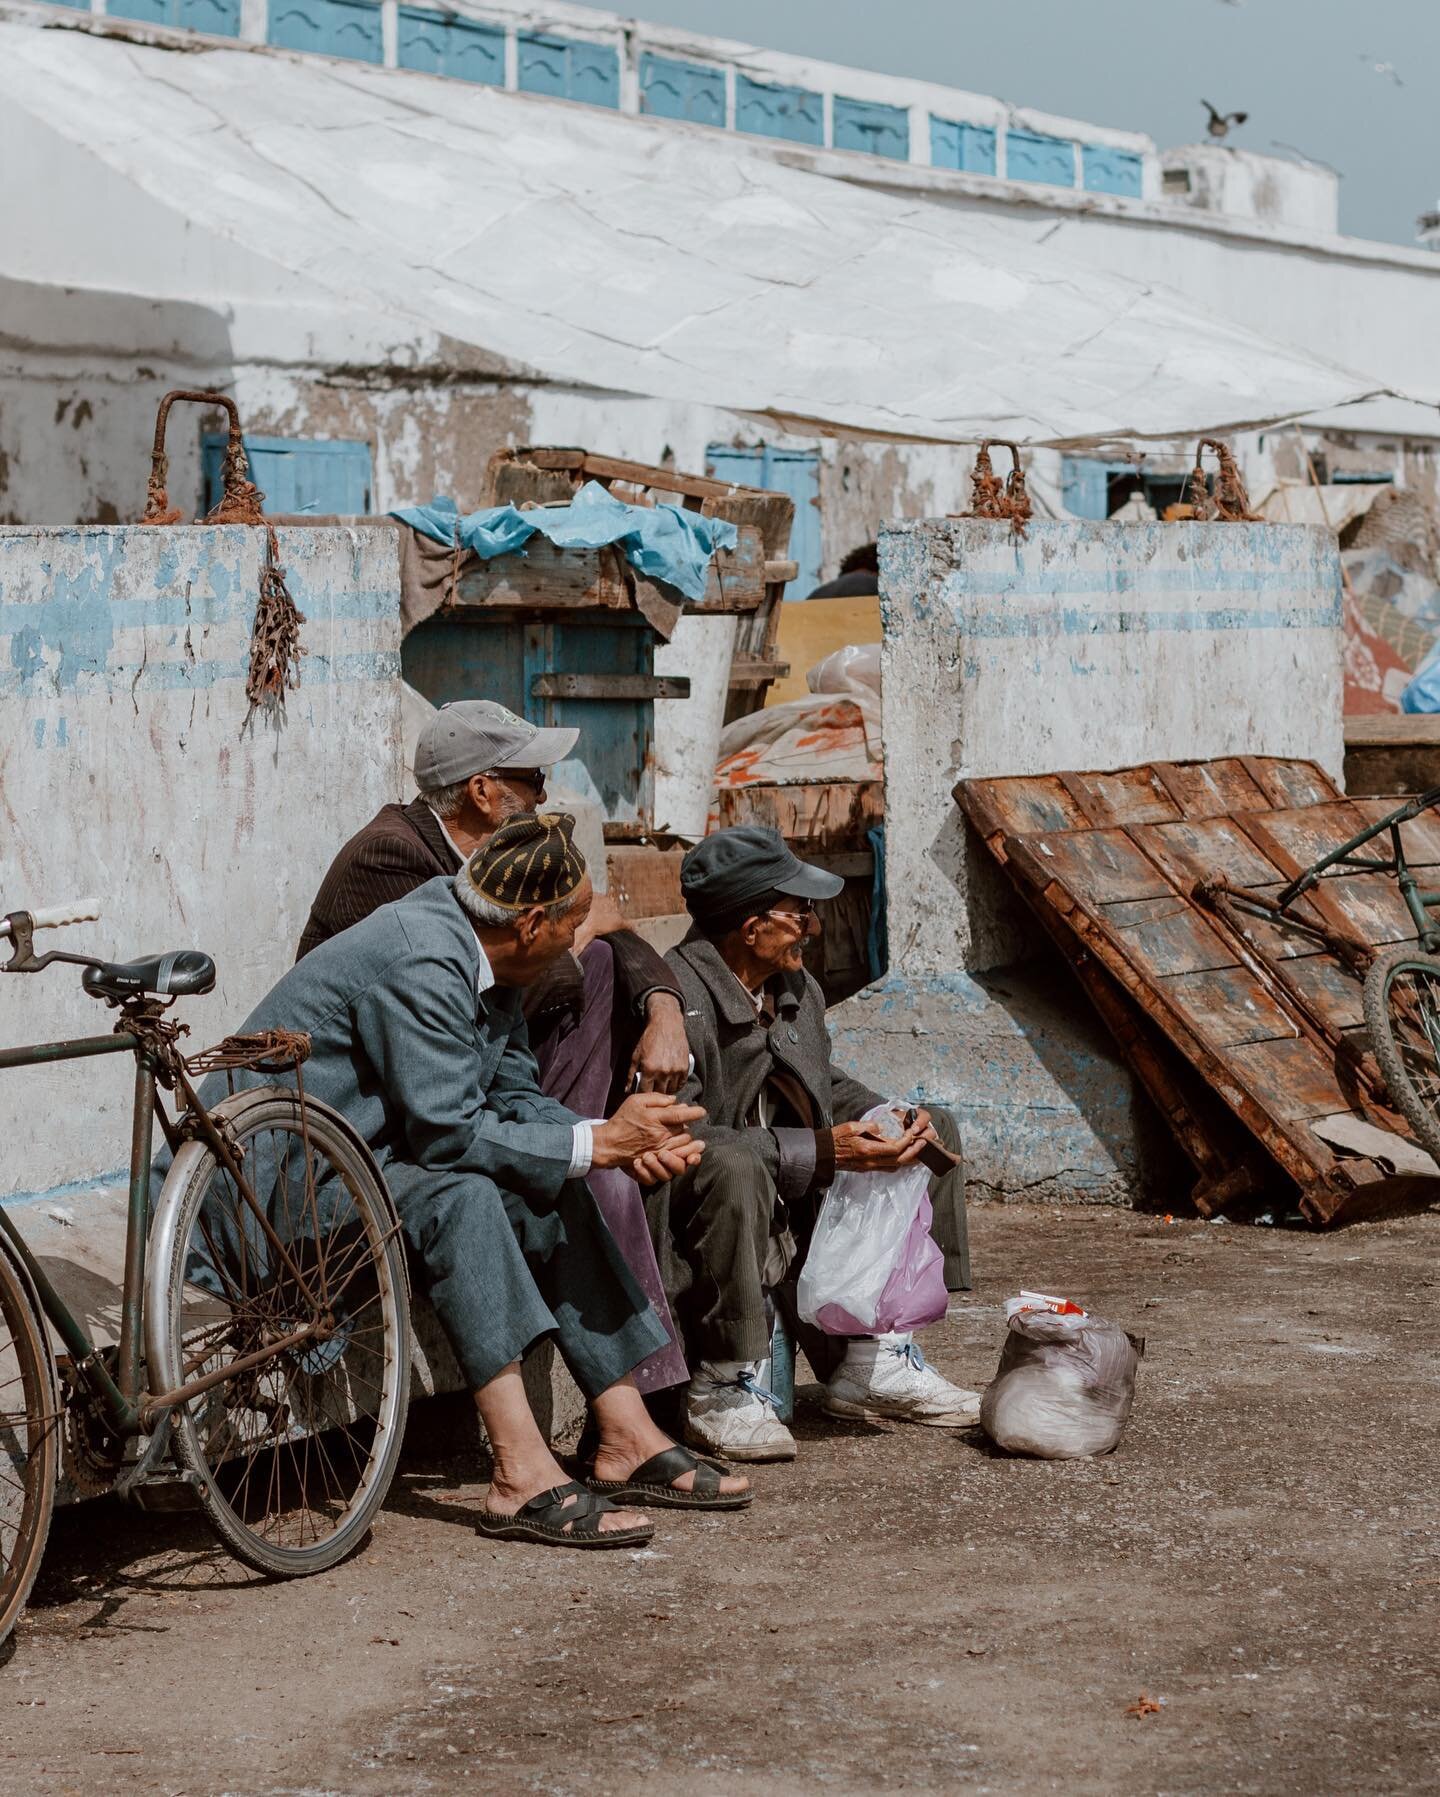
x=532 y=778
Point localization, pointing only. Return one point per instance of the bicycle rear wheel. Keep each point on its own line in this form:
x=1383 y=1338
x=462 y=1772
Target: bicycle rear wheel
x=305 y=1314
x=1402 y=1014
x=29 y=1442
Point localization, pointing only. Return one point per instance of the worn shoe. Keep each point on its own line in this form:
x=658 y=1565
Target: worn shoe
x=887 y=1376
x=728 y=1412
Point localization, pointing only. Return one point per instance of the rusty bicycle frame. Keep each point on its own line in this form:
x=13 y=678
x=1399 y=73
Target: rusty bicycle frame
x=129 y=1409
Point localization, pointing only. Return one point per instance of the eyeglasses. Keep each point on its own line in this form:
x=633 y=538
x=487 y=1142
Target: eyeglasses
x=802 y=914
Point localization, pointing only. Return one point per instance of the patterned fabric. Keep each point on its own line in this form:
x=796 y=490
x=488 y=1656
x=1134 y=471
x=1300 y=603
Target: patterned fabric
x=530 y=860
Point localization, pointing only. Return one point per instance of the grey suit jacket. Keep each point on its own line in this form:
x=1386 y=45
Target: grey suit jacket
x=401 y=1045
x=735 y=1054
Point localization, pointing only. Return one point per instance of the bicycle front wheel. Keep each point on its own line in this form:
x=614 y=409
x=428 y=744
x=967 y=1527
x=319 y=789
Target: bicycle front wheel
x=296 y=1307
x=1402 y=1015
x=29 y=1442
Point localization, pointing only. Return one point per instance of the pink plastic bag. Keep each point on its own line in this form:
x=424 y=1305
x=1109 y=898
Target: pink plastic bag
x=873 y=1267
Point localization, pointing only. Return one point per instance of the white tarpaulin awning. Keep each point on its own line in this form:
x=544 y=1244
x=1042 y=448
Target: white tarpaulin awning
x=637 y=257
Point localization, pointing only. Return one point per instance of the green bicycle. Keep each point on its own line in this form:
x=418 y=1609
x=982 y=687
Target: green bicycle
x=264 y=1341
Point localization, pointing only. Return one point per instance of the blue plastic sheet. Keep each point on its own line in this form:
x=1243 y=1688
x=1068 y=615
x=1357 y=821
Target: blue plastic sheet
x=663 y=542
x=1423 y=692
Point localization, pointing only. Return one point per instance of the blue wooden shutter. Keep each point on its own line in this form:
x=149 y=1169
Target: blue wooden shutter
x=329 y=27
x=1084 y=486
x=954 y=144
x=220 y=18
x=792 y=471
x=1112 y=171
x=446 y=44
x=296 y=475
x=569 y=69
x=791 y=112
x=866 y=125
x=681 y=90
x=1032 y=157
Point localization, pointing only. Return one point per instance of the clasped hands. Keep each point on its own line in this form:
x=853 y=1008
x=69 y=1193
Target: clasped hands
x=864 y=1148
x=649 y=1136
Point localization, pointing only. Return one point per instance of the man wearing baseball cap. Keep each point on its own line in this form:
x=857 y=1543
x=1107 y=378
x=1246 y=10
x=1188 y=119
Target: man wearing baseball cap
x=597 y=1021
x=782 y=1118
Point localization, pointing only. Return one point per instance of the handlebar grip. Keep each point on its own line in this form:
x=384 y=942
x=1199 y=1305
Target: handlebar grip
x=52 y=917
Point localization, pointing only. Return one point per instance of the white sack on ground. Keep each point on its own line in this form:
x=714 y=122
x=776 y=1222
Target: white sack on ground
x=627 y=255
x=1064 y=1386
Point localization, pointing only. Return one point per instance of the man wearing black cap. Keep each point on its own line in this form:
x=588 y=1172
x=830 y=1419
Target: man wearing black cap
x=782 y=1118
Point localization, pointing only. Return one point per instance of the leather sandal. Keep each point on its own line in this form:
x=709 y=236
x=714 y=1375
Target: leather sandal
x=653 y=1484
x=557 y=1521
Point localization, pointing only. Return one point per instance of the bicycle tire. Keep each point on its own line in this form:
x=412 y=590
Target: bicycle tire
x=217 y=1289
x=1402 y=1016
x=29 y=1440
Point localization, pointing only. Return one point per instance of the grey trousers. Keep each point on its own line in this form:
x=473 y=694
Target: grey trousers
x=713 y=1227
x=502 y=1271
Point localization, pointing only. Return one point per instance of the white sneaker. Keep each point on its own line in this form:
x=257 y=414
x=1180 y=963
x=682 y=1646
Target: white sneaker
x=730 y=1413
x=887 y=1376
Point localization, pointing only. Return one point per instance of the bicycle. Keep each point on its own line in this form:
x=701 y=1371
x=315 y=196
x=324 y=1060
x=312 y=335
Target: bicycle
x=1401 y=991
x=264 y=1342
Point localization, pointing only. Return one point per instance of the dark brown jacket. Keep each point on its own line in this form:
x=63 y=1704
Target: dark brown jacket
x=401 y=848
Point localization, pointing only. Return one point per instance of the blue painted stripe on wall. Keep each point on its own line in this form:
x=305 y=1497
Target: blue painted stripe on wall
x=1052 y=582
x=180 y=676
x=359 y=604
x=1074 y=621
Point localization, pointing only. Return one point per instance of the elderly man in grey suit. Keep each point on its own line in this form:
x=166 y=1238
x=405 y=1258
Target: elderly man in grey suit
x=417 y=1038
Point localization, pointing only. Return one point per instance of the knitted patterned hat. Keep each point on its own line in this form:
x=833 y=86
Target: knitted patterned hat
x=530 y=860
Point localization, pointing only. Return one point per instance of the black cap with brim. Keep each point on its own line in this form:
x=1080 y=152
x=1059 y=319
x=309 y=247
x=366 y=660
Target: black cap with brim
x=749 y=862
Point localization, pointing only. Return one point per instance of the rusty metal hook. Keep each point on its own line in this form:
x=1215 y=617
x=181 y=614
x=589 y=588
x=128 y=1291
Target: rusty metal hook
x=992 y=498
x=240 y=502
x=1230 y=503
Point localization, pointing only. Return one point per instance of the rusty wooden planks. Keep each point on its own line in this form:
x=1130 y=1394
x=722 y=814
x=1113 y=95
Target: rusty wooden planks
x=1261 y=1016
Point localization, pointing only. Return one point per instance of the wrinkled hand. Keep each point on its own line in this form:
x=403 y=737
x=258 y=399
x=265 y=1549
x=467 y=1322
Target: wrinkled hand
x=861 y=1148
x=666 y=1163
x=662 y=1055
x=645 y=1122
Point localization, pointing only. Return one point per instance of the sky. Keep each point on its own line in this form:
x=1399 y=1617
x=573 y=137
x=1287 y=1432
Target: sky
x=1303 y=69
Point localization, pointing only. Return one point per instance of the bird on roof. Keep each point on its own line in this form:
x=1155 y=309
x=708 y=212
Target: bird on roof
x=1220 y=122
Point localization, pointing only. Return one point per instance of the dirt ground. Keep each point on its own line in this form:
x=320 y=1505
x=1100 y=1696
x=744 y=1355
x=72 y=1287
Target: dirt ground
x=900 y=1610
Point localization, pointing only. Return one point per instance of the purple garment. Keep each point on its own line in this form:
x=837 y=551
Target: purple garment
x=577 y=1069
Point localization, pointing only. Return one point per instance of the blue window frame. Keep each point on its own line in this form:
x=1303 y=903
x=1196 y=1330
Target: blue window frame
x=329 y=27
x=1112 y=171
x=446 y=44
x=221 y=18
x=297 y=474
x=1031 y=157
x=790 y=112
x=569 y=69
x=681 y=90
x=954 y=144
x=866 y=125
x=792 y=471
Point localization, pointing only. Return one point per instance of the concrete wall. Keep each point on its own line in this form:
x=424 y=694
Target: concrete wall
x=127 y=771
x=1084 y=646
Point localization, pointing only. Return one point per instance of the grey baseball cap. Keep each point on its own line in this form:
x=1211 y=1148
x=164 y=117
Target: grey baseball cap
x=471 y=736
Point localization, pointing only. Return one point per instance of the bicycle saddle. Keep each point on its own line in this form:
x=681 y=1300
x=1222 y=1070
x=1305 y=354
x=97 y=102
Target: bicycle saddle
x=179 y=974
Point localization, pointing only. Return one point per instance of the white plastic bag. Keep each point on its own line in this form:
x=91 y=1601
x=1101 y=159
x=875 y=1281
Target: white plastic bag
x=873 y=1266
x=1065 y=1383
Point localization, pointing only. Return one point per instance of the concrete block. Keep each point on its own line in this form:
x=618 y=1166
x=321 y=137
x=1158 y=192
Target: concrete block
x=128 y=771
x=1081 y=646
x=1047 y=1107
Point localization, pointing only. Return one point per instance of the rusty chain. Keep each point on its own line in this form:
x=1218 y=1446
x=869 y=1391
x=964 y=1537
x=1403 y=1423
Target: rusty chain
x=1007 y=500
x=275 y=646
x=1230 y=503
